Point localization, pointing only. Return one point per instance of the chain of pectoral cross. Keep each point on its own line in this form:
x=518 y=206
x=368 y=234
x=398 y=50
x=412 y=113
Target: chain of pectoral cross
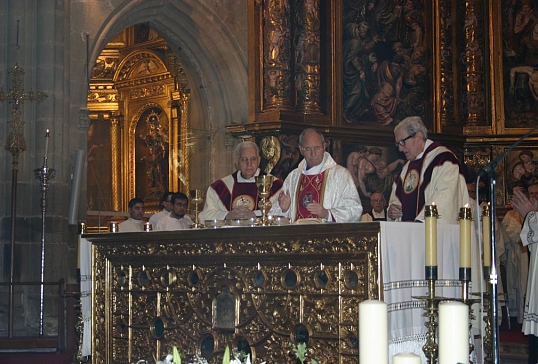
x=15 y=141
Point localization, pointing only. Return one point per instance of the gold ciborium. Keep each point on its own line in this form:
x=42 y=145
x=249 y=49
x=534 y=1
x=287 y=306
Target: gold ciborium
x=197 y=197
x=264 y=184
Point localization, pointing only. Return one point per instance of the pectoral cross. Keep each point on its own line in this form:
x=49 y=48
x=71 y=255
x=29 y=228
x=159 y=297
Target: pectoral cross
x=15 y=141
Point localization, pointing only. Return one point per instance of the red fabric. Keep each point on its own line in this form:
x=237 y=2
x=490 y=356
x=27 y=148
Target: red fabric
x=311 y=189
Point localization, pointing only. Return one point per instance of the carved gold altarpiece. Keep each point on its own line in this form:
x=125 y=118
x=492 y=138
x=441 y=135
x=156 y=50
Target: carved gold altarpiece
x=204 y=289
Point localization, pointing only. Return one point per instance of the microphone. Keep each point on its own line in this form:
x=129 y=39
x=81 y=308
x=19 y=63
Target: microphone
x=490 y=167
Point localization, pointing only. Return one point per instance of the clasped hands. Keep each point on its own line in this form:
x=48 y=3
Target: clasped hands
x=284 y=200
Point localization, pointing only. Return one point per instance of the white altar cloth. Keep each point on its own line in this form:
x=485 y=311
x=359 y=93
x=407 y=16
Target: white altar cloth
x=402 y=273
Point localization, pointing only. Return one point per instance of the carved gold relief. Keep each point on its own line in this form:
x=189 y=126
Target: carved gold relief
x=153 y=291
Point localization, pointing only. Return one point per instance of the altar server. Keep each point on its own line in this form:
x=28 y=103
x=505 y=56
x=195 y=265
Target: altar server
x=135 y=221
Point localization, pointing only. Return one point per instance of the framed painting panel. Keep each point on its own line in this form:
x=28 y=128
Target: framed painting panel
x=515 y=75
x=521 y=169
x=386 y=63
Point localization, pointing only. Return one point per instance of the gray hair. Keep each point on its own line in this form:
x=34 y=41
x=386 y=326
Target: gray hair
x=412 y=124
x=243 y=145
x=311 y=130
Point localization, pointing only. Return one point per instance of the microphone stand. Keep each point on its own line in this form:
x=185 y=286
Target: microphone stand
x=493 y=277
x=43 y=174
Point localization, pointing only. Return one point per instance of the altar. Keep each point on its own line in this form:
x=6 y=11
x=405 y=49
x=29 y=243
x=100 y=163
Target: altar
x=258 y=289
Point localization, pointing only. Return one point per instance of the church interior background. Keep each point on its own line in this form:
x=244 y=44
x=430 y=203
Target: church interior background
x=158 y=93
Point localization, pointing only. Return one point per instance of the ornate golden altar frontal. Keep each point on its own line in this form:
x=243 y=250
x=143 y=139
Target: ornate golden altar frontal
x=254 y=288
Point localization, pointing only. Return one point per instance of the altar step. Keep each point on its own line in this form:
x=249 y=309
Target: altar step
x=513 y=353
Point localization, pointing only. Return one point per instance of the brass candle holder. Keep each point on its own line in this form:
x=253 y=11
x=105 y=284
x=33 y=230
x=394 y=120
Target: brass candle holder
x=197 y=197
x=264 y=184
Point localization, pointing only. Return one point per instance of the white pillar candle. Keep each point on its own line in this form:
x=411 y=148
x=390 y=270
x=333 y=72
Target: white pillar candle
x=47 y=136
x=373 y=332
x=453 y=332
x=406 y=358
x=430 y=219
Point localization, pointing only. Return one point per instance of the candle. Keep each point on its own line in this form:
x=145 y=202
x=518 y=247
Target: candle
x=406 y=358
x=465 y=236
x=453 y=332
x=486 y=236
x=47 y=137
x=430 y=217
x=373 y=332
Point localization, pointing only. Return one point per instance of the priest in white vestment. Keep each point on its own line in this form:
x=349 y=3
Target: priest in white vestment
x=236 y=196
x=318 y=189
x=432 y=174
x=529 y=237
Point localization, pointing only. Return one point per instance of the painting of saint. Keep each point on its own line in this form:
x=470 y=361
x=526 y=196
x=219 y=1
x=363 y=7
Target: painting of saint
x=384 y=77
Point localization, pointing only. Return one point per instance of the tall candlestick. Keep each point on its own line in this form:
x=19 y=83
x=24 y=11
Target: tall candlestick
x=465 y=218
x=406 y=358
x=373 y=332
x=453 y=332
x=47 y=137
x=430 y=217
x=486 y=236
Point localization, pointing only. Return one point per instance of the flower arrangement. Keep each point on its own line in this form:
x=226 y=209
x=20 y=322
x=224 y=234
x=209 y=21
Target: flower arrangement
x=175 y=358
x=300 y=352
x=298 y=355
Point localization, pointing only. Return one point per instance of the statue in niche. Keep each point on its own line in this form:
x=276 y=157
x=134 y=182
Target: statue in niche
x=156 y=141
x=224 y=310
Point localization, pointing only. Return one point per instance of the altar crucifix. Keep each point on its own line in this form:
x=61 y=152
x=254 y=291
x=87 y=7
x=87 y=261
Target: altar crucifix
x=16 y=144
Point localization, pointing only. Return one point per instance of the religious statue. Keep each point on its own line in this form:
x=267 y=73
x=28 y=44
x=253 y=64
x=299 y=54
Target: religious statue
x=156 y=141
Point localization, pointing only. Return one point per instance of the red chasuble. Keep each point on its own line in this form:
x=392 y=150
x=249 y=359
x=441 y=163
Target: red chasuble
x=242 y=194
x=310 y=189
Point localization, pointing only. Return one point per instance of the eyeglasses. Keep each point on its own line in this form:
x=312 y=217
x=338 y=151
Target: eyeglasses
x=310 y=149
x=377 y=200
x=401 y=143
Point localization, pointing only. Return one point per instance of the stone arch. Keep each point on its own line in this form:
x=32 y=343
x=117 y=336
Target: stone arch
x=215 y=64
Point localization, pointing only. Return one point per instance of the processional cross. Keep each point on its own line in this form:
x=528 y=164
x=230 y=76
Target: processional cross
x=16 y=144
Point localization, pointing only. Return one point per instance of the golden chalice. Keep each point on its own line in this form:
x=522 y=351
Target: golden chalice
x=197 y=197
x=264 y=184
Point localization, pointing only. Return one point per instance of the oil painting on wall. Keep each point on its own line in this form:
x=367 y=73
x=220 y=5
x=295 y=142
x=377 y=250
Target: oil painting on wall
x=384 y=61
x=373 y=168
x=520 y=62
x=521 y=169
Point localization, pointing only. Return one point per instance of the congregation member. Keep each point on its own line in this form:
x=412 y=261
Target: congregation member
x=236 y=196
x=135 y=222
x=318 y=188
x=432 y=174
x=167 y=207
x=177 y=219
x=379 y=211
x=528 y=208
x=516 y=261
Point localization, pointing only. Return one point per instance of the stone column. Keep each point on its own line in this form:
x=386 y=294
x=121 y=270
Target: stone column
x=115 y=153
x=307 y=56
x=276 y=54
